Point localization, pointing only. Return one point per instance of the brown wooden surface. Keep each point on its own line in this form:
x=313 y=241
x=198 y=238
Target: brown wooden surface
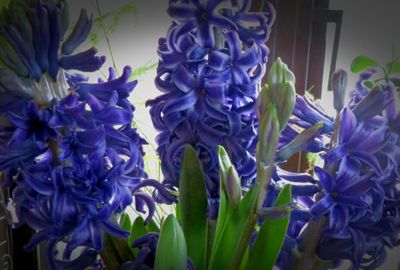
x=300 y=42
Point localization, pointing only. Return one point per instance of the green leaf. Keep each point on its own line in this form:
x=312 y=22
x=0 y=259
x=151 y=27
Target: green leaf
x=171 y=248
x=235 y=223
x=225 y=207
x=271 y=236
x=126 y=222
x=138 y=229
x=369 y=84
x=361 y=63
x=152 y=227
x=393 y=67
x=193 y=207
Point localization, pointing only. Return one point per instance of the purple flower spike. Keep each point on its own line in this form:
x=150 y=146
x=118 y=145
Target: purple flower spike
x=209 y=74
x=75 y=164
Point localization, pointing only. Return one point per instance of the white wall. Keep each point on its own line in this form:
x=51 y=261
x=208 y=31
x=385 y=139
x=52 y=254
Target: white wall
x=369 y=27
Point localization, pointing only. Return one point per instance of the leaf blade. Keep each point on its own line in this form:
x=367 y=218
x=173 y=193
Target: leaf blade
x=171 y=239
x=271 y=236
x=193 y=207
x=361 y=63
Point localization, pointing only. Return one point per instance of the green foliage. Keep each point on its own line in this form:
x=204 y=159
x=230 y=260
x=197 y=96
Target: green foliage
x=108 y=22
x=279 y=91
x=390 y=71
x=193 y=207
x=271 y=236
x=235 y=222
x=393 y=67
x=141 y=70
x=362 y=62
x=171 y=249
x=137 y=229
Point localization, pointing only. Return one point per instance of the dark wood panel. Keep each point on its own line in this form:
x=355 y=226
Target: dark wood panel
x=300 y=42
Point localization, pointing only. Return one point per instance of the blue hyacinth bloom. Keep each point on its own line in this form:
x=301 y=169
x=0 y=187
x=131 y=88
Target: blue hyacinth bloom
x=211 y=64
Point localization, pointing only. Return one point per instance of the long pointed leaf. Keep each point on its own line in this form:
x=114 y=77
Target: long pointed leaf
x=225 y=208
x=271 y=236
x=138 y=229
x=171 y=248
x=236 y=232
x=193 y=207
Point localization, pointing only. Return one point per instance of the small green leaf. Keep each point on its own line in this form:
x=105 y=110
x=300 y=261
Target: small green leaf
x=138 y=229
x=369 y=84
x=171 y=248
x=393 y=67
x=193 y=207
x=126 y=222
x=271 y=236
x=152 y=226
x=361 y=63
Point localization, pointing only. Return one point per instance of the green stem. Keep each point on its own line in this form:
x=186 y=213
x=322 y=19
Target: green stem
x=107 y=39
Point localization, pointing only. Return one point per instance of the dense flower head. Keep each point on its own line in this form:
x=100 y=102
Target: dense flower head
x=69 y=151
x=356 y=190
x=211 y=64
x=75 y=164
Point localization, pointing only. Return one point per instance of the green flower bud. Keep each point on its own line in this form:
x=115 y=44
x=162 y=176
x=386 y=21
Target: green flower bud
x=280 y=91
x=268 y=136
x=232 y=185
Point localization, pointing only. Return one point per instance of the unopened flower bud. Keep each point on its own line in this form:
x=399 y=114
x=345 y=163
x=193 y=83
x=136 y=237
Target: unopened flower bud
x=300 y=142
x=339 y=84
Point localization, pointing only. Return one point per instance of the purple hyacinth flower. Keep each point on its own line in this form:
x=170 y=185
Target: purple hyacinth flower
x=32 y=124
x=350 y=132
x=201 y=18
x=209 y=75
x=342 y=194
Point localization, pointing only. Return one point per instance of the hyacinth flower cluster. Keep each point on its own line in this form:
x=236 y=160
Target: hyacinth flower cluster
x=210 y=67
x=348 y=209
x=68 y=150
